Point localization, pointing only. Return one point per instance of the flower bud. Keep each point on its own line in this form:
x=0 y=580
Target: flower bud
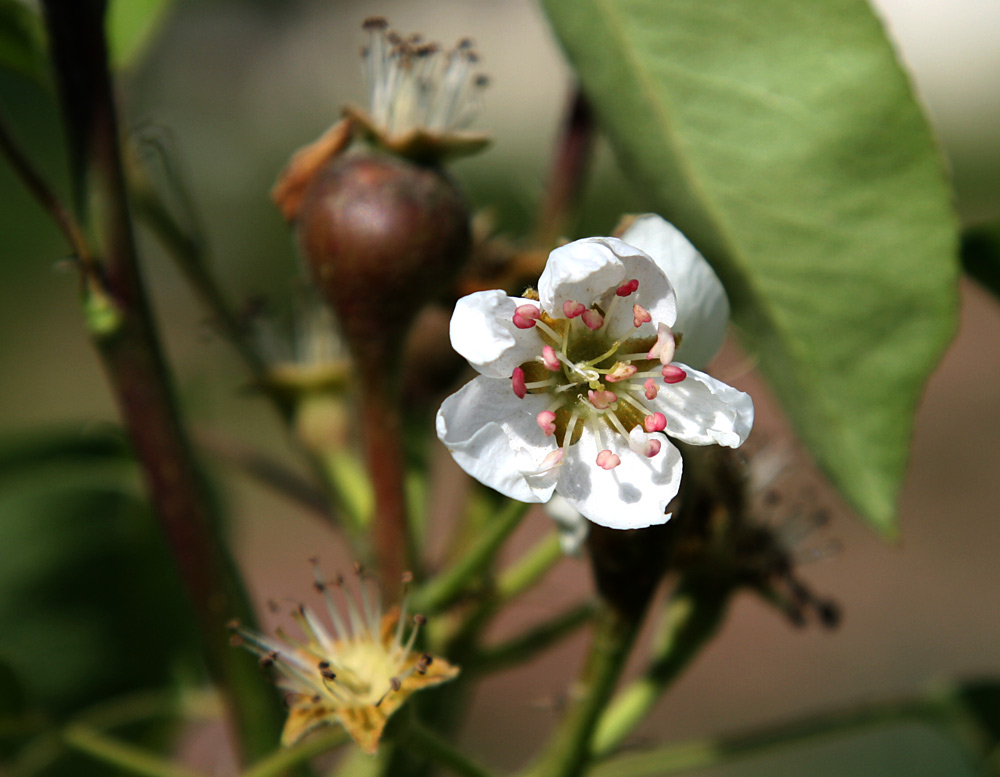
x=382 y=236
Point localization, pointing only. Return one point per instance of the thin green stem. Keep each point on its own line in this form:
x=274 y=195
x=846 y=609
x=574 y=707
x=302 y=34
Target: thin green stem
x=121 y=755
x=39 y=188
x=534 y=640
x=700 y=754
x=692 y=617
x=428 y=744
x=529 y=569
x=568 y=751
x=286 y=758
x=191 y=258
x=451 y=584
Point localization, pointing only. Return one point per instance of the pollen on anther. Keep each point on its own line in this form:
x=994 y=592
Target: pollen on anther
x=517 y=383
x=651 y=389
x=673 y=374
x=621 y=371
x=629 y=287
x=525 y=316
x=602 y=399
x=592 y=319
x=607 y=459
x=547 y=422
x=656 y=422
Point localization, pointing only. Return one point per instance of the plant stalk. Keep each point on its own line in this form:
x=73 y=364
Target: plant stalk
x=132 y=357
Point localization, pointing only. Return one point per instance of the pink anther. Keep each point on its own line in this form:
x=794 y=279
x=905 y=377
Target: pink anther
x=652 y=448
x=621 y=371
x=608 y=460
x=517 y=383
x=547 y=422
x=549 y=358
x=602 y=400
x=665 y=345
x=593 y=319
x=651 y=389
x=573 y=309
x=525 y=316
x=640 y=315
x=654 y=423
x=673 y=374
x=629 y=287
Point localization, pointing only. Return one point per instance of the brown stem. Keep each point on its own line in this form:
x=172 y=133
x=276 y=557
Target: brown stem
x=134 y=363
x=382 y=419
x=569 y=169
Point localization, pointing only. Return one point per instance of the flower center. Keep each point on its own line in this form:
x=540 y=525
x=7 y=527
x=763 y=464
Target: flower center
x=597 y=382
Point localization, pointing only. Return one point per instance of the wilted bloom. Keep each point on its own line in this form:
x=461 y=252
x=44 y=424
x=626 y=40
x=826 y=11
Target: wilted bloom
x=421 y=97
x=578 y=386
x=356 y=671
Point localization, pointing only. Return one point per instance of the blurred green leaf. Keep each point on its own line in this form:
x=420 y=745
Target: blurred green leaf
x=22 y=41
x=981 y=255
x=13 y=702
x=784 y=139
x=981 y=699
x=90 y=605
x=131 y=25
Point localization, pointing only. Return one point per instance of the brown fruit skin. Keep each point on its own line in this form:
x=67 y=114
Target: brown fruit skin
x=382 y=236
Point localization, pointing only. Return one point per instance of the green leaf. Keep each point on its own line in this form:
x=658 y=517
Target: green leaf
x=981 y=699
x=22 y=47
x=783 y=139
x=131 y=25
x=981 y=255
x=90 y=605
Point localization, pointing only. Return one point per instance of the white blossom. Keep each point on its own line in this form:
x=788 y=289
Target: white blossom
x=578 y=389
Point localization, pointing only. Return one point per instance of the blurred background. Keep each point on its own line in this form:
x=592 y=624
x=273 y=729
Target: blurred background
x=235 y=86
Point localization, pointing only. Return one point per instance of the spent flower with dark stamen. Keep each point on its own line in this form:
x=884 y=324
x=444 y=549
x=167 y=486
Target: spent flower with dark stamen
x=355 y=669
x=421 y=96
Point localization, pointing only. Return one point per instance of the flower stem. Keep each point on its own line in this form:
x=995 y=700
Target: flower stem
x=280 y=761
x=568 y=752
x=701 y=754
x=382 y=418
x=190 y=256
x=113 y=752
x=524 y=646
x=530 y=568
x=424 y=741
x=451 y=584
x=692 y=618
x=39 y=188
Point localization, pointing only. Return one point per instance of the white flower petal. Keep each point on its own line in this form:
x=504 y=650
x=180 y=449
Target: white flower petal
x=482 y=330
x=702 y=306
x=633 y=495
x=704 y=411
x=582 y=271
x=495 y=437
x=573 y=528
